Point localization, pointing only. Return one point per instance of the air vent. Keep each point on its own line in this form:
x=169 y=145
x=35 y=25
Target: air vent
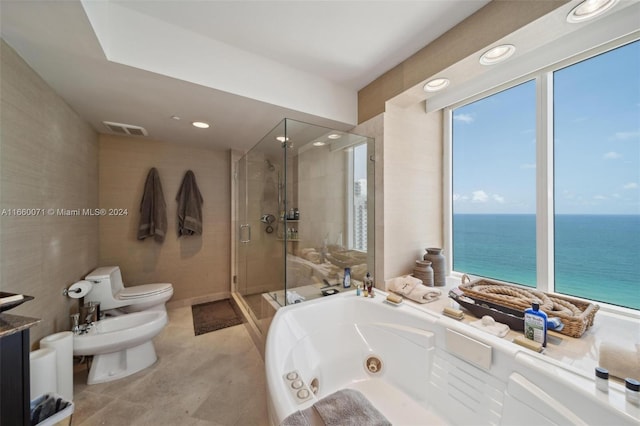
x=125 y=129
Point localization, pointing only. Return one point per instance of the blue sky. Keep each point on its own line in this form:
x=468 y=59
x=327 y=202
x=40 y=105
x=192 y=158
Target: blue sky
x=596 y=136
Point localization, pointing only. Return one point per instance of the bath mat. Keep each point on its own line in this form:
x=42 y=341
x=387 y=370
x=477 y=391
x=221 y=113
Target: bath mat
x=212 y=316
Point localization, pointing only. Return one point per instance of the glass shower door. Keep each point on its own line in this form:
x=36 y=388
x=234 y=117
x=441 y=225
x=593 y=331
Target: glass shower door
x=260 y=254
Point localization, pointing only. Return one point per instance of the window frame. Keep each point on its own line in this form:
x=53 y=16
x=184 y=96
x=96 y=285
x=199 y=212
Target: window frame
x=545 y=212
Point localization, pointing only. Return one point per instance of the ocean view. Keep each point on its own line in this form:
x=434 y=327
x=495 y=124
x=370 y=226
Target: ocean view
x=596 y=256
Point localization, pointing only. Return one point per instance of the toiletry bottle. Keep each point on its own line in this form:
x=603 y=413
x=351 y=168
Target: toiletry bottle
x=368 y=283
x=358 y=290
x=632 y=391
x=535 y=324
x=346 y=281
x=602 y=379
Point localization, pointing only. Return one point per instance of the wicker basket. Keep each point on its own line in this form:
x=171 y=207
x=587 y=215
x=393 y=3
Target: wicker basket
x=576 y=315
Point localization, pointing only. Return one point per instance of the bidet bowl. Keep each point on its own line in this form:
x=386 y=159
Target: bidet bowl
x=120 y=345
x=121 y=332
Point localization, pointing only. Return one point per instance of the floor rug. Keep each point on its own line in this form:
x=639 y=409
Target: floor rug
x=216 y=315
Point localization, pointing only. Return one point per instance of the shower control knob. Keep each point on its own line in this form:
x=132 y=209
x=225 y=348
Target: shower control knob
x=303 y=394
x=297 y=384
x=292 y=376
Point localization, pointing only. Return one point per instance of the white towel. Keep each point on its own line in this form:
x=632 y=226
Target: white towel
x=621 y=362
x=490 y=325
x=294 y=297
x=403 y=285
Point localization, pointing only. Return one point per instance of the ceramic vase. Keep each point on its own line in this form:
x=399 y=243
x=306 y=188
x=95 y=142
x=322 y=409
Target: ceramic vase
x=424 y=272
x=434 y=255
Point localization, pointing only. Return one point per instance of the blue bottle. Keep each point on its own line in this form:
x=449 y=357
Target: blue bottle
x=535 y=324
x=346 y=281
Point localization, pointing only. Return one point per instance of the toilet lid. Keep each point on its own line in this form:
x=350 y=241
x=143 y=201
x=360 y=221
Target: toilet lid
x=144 y=290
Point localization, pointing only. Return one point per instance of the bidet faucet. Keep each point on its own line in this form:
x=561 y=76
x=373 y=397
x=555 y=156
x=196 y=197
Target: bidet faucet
x=90 y=314
x=75 y=329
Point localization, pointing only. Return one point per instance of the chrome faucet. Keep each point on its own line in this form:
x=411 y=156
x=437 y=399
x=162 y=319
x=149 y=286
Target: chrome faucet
x=76 y=324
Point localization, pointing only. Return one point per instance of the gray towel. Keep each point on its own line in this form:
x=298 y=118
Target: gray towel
x=344 y=407
x=189 y=206
x=153 y=210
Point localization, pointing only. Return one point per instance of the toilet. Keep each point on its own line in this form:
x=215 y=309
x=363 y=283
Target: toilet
x=120 y=345
x=109 y=290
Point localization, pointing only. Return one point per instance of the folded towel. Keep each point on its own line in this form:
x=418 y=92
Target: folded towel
x=294 y=297
x=153 y=210
x=403 y=285
x=189 y=206
x=490 y=325
x=621 y=362
x=424 y=294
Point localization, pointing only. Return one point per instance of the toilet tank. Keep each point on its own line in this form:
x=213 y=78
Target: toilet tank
x=107 y=281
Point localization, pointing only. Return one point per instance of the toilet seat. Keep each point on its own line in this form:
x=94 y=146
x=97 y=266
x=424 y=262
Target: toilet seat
x=144 y=290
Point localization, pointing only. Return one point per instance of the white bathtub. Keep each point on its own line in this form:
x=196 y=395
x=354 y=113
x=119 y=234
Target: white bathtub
x=434 y=370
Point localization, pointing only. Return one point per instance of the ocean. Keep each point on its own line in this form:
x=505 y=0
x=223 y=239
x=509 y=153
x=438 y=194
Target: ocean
x=597 y=257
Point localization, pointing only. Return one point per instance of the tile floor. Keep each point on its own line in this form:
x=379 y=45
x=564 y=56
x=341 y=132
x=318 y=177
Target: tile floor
x=213 y=379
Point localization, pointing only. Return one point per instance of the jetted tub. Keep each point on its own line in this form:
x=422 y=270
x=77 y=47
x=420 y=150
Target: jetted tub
x=419 y=368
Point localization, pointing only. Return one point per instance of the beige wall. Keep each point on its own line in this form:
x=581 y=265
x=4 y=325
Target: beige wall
x=48 y=160
x=197 y=266
x=322 y=177
x=489 y=24
x=412 y=187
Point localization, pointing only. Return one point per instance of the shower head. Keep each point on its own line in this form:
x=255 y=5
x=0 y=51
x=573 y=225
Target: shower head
x=270 y=165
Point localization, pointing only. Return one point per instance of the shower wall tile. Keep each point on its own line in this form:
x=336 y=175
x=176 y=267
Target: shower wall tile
x=49 y=160
x=197 y=266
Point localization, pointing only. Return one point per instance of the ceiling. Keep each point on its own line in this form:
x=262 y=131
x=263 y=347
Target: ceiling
x=242 y=66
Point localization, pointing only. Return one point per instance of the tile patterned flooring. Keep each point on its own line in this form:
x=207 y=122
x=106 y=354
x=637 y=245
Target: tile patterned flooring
x=213 y=379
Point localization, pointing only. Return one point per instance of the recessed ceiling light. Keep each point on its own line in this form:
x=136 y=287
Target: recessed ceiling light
x=175 y=117
x=589 y=9
x=497 y=54
x=200 y=124
x=281 y=138
x=319 y=143
x=334 y=136
x=436 y=84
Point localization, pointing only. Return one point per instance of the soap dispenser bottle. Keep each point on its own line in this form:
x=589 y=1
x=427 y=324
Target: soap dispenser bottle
x=346 y=281
x=535 y=324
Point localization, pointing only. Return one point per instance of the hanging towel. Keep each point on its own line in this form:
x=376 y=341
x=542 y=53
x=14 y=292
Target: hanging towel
x=189 y=206
x=153 y=210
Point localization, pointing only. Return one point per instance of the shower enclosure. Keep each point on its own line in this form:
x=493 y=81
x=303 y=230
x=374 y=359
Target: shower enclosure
x=304 y=212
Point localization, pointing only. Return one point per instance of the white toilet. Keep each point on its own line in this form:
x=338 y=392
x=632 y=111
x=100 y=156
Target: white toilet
x=122 y=345
x=109 y=290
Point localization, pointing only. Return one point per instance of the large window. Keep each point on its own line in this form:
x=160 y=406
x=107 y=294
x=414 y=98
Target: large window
x=587 y=156
x=358 y=188
x=494 y=186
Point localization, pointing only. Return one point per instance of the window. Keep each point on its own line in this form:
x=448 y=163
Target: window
x=502 y=173
x=597 y=176
x=494 y=225
x=358 y=197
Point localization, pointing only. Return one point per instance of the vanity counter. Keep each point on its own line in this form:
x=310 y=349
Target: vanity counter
x=10 y=324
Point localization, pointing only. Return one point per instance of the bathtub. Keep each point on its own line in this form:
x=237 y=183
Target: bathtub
x=418 y=367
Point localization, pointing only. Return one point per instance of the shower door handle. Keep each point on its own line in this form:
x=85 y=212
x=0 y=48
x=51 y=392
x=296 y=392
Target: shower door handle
x=248 y=228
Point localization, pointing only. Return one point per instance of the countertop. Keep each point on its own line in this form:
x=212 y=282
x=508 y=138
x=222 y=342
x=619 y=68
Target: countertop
x=10 y=324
